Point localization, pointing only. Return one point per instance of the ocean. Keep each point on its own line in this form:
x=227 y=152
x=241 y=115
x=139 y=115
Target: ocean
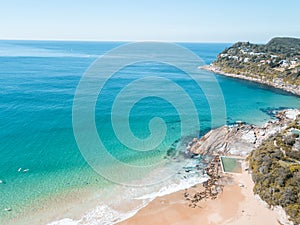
x=45 y=177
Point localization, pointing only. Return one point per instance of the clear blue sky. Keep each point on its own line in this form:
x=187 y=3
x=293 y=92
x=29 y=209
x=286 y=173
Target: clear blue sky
x=159 y=20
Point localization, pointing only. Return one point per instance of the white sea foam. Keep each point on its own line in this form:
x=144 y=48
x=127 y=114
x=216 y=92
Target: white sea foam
x=106 y=215
x=171 y=188
x=66 y=221
x=102 y=214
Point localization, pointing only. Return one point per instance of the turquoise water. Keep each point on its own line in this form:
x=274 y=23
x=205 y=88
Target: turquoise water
x=38 y=80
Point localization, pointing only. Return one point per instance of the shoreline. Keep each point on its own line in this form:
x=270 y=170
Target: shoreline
x=174 y=201
x=68 y=190
x=236 y=204
x=92 y=209
x=290 y=88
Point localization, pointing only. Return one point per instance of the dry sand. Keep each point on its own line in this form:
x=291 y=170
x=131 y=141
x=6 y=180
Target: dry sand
x=235 y=205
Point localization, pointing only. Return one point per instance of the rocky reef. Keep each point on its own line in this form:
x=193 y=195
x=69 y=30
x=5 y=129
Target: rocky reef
x=210 y=188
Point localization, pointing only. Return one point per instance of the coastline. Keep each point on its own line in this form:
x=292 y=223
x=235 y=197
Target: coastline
x=66 y=190
x=78 y=216
x=278 y=84
x=92 y=208
x=236 y=203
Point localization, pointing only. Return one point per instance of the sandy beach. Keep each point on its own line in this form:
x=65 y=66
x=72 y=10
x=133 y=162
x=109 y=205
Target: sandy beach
x=235 y=205
x=226 y=198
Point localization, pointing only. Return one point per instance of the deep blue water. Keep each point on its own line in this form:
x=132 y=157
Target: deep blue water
x=38 y=80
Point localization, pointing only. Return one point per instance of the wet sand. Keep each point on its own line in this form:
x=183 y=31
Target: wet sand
x=235 y=205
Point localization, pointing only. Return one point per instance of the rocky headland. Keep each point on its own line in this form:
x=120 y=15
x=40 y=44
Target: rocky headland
x=248 y=141
x=228 y=198
x=276 y=64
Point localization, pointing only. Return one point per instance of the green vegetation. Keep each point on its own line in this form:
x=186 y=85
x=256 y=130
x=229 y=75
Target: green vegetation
x=277 y=61
x=289 y=46
x=275 y=169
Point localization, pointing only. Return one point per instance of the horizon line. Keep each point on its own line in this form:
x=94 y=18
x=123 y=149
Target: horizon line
x=127 y=41
x=122 y=41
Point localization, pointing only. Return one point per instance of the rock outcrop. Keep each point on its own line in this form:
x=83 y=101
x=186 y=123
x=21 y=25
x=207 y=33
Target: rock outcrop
x=240 y=139
x=210 y=188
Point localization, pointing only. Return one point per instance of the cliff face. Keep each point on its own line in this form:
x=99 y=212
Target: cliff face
x=278 y=61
